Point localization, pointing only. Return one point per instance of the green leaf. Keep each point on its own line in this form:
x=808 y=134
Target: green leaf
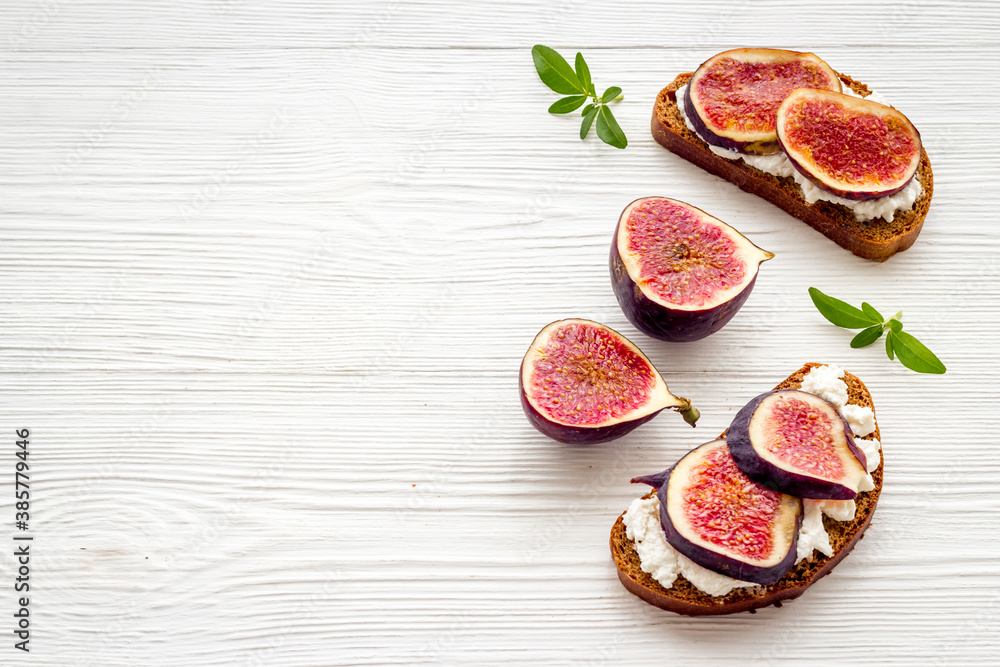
x=870 y=311
x=610 y=94
x=840 y=313
x=867 y=337
x=586 y=109
x=568 y=104
x=608 y=129
x=583 y=72
x=888 y=345
x=914 y=355
x=588 y=120
x=895 y=324
x=555 y=72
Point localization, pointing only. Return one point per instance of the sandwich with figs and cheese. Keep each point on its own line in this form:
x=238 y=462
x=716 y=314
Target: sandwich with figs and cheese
x=761 y=514
x=821 y=146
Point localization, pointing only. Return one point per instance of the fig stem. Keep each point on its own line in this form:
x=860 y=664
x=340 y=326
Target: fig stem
x=689 y=412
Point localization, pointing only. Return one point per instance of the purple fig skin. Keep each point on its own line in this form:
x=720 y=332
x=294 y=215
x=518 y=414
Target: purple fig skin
x=771 y=476
x=661 y=322
x=713 y=560
x=655 y=480
x=578 y=435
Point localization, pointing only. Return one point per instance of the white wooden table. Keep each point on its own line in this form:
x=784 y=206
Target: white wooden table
x=268 y=270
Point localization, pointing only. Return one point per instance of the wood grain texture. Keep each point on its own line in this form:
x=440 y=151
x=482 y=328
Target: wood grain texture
x=267 y=270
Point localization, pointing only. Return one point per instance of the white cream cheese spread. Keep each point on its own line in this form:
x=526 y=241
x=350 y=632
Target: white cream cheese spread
x=812 y=534
x=777 y=164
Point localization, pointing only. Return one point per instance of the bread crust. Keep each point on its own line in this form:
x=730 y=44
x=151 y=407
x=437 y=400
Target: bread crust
x=684 y=598
x=876 y=239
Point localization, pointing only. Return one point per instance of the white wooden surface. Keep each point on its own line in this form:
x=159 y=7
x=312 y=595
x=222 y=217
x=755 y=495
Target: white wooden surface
x=268 y=269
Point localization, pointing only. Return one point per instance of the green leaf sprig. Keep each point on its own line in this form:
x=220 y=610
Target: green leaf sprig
x=578 y=87
x=911 y=352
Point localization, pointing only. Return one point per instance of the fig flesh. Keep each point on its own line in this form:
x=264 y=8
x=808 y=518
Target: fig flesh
x=678 y=273
x=582 y=382
x=716 y=516
x=797 y=443
x=851 y=147
x=733 y=97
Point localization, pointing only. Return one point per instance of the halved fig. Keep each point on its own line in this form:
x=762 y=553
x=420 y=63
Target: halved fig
x=733 y=97
x=582 y=382
x=851 y=147
x=678 y=273
x=716 y=516
x=797 y=443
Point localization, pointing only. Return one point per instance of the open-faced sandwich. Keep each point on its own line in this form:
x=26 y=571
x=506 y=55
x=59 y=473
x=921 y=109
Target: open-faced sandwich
x=821 y=146
x=762 y=513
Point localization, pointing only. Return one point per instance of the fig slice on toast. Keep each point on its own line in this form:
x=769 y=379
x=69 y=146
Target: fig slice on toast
x=680 y=274
x=733 y=97
x=716 y=516
x=583 y=382
x=851 y=147
x=797 y=443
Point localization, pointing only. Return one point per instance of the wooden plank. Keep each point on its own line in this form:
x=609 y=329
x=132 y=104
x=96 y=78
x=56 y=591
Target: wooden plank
x=713 y=25
x=268 y=270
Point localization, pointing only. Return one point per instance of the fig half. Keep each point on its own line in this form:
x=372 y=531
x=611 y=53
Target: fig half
x=733 y=97
x=582 y=382
x=797 y=443
x=678 y=273
x=851 y=147
x=716 y=516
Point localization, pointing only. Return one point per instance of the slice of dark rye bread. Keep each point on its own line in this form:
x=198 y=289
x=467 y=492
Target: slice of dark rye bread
x=871 y=239
x=684 y=598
